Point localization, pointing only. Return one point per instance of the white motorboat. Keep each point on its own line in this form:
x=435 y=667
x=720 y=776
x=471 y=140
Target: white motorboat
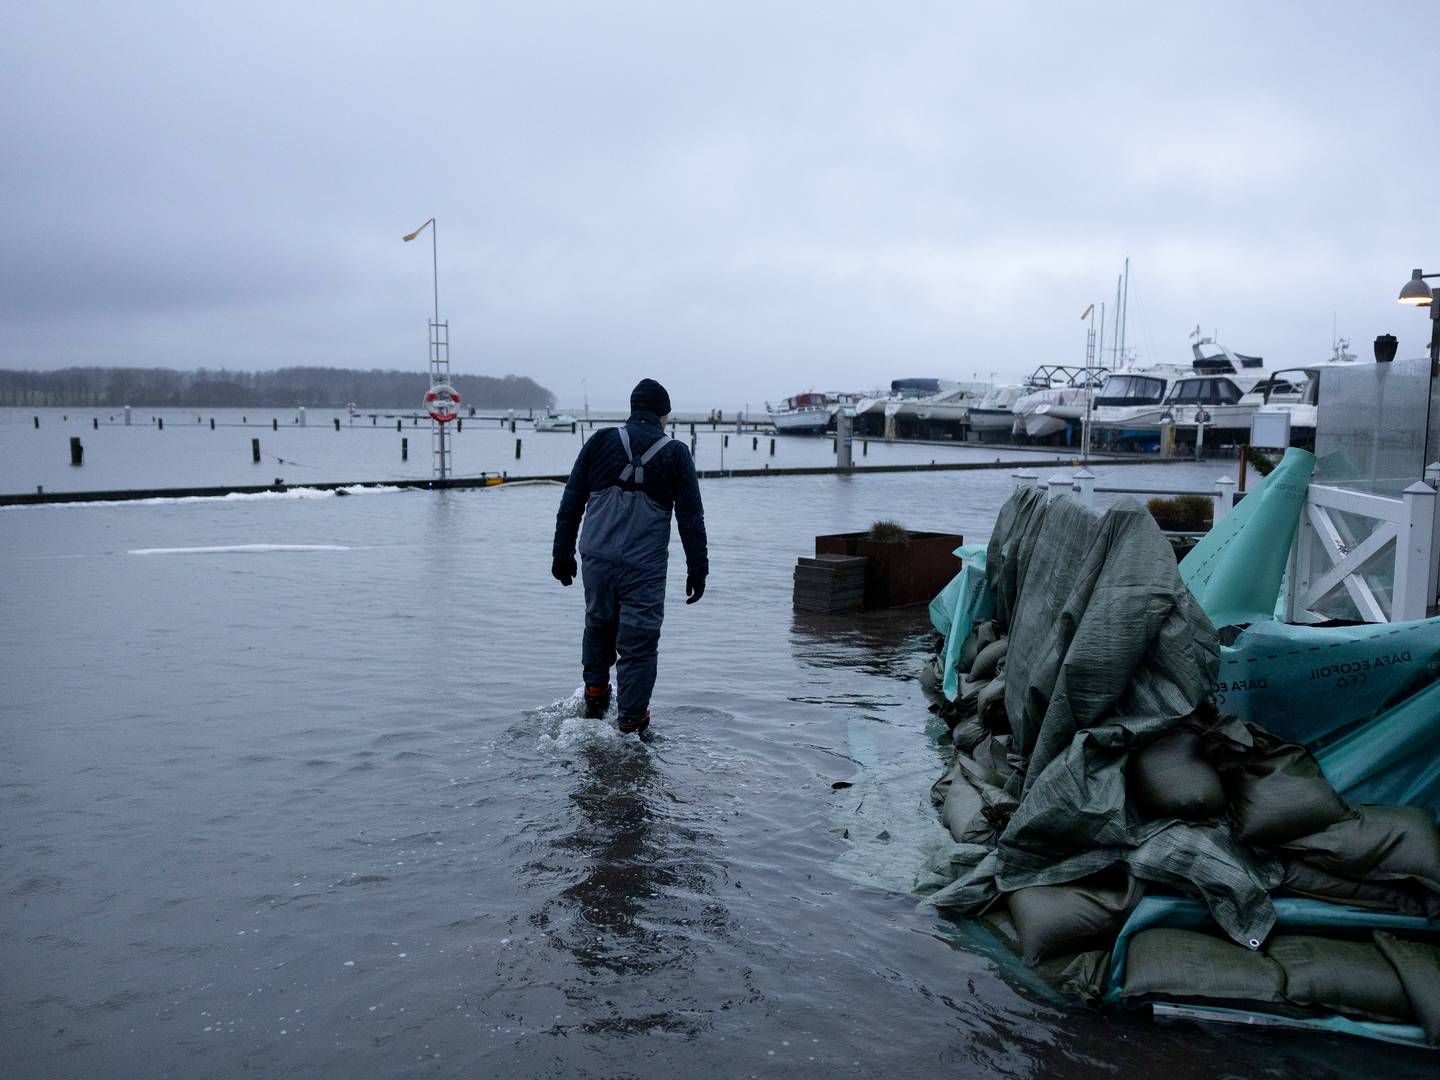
x=994 y=412
x=552 y=421
x=1059 y=399
x=803 y=414
x=952 y=403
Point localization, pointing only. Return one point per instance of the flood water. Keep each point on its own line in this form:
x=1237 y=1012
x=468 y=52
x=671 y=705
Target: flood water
x=187 y=452
x=322 y=807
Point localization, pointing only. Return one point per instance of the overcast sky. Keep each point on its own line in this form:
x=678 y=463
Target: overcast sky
x=743 y=200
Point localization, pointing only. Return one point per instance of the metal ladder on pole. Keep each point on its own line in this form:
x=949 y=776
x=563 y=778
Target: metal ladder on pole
x=439 y=373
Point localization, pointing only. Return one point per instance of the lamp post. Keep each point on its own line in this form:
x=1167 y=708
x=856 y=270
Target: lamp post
x=1418 y=294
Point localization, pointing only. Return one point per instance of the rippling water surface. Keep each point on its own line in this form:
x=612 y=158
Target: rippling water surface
x=301 y=790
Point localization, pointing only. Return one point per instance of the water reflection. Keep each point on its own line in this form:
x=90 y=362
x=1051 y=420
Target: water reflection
x=889 y=643
x=641 y=899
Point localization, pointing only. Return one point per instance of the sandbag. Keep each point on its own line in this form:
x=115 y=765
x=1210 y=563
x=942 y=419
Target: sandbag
x=1277 y=792
x=970 y=690
x=1350 y=977
x=1417 y=964
x=992 y=754
x=1171 y=778
x=967 y=733
x=1163 y=962
x=1302 y=878
x=969 y=649
x=988 y=659
x=1053 y=919
x=990 y=705
x=1377 y=843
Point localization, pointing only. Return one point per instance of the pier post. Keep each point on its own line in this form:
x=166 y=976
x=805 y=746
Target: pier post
x=460 y=423
x=398 y=423
x=1023 y=478
x=161 y=422
x=1414 y=544
x=1224 y=499
x=274 y=424
x=255 y=451
x=337 y=423
x=95 y=423
x=517 y=449
x=1085 y=481
x=755 y=442
x=1059 y=484
x=772 y=447
x=405 y=449
x=77 y=452
x=212 y=423
x=37 y=423
x=727 y=440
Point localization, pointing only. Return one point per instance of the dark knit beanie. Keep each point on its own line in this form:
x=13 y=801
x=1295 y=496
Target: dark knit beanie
x=649 y=396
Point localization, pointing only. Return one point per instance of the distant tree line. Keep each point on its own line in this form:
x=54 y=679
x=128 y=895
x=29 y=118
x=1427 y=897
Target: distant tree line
x=286 y=387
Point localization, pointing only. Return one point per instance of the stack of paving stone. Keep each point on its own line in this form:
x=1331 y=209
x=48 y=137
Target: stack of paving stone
x=830 y=583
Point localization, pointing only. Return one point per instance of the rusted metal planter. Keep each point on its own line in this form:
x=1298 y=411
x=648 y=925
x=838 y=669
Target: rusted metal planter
x=899 y=574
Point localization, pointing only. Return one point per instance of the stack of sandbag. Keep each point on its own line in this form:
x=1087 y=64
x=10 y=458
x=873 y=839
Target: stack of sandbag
x=1090 y=769
x=1384 y=977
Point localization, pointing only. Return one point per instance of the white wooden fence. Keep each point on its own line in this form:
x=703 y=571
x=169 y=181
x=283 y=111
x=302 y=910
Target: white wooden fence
x=1328 y=553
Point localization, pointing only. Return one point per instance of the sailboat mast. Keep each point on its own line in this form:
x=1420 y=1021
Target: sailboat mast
x=1125 y=305
x=1116 y=346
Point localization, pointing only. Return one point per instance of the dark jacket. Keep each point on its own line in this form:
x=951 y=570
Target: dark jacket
x=669 y=479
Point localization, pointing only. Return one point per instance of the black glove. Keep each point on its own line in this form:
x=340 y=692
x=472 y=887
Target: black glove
x=694 y=588
x=563 y=569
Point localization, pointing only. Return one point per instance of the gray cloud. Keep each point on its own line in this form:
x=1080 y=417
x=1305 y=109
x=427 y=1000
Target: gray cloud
x=745 y=200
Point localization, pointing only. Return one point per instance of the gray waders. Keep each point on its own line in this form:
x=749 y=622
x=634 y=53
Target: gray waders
x=624 y=550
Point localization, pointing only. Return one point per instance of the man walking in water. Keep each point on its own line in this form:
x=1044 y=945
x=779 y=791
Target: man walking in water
x=625 y=483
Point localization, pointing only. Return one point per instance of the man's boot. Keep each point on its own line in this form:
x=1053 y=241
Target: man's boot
x=597 y=700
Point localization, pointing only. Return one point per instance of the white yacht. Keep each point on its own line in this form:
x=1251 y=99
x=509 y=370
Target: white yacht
x=553 y=421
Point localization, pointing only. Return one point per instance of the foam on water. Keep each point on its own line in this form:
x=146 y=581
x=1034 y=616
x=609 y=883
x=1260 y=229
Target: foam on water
x=289 y=494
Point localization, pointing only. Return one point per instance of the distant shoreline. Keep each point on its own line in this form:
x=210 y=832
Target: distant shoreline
x=281 y=388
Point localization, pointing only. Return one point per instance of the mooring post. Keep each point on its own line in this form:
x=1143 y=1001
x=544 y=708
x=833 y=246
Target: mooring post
x=212 y=423
x=398 y=422
x=95 y=423
x=755 y=442
x=1224 y=499
x=161 y=422
x=1059 y=484
x=1085 y=481
x=692 y=444
x=512 y=426
x=864 y=447
x=77 y=452
x=1023 y=478
x=274 y=424
x=460 y=421
x=727 y=440
x=573 y=428
x=255 y=451
x=772 y=447
x=517 y=449
x=37 y=423
x=337 y=423
x=405 y=449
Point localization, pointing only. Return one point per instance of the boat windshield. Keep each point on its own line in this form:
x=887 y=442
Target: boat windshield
x=1131 y=390
x=1203 y=392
